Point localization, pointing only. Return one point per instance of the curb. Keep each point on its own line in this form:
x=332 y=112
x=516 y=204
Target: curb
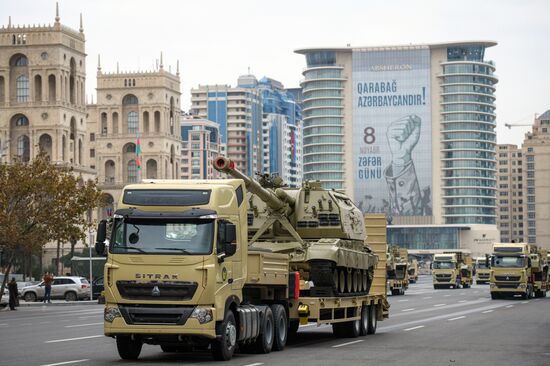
x=65 y=303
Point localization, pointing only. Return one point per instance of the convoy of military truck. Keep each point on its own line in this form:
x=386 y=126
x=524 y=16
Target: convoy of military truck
x=452 y=269
x=238 y=265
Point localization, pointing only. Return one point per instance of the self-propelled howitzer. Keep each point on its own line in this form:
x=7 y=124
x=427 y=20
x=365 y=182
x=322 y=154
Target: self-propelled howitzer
x=321 y=230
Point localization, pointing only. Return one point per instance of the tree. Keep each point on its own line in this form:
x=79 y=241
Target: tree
x=41 y=203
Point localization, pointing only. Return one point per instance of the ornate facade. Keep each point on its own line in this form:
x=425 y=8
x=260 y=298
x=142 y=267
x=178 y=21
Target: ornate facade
x=42 y=94
x=132 y=105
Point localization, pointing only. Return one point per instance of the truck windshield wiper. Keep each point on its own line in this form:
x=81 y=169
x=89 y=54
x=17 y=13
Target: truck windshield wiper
x=185 y=251
x=127 y=247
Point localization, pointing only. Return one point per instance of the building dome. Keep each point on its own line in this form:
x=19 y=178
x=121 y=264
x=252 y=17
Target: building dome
x=545 y=114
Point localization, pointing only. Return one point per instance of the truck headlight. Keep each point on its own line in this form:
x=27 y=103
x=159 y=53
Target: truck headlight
x=202 y=314
x=110 y=313
x=493 y=285
x=522 y=285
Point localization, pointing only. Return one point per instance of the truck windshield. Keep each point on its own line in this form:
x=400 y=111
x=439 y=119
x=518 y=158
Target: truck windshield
x=481 y=265
x=167 y=236
x=509 y=262
x=444 y=265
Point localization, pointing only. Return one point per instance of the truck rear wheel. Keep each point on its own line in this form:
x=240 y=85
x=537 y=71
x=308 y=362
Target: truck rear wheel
x=280 y=321
x=350 y=329
x=373 y=320
x=364 y=320
x=128 y=348
x=223 y=348
x=264 y=342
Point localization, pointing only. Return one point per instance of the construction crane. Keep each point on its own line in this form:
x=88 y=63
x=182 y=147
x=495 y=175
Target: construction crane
x=510 y=125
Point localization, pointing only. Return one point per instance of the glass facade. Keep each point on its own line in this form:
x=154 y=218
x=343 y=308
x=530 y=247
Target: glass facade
x=468 y=139
x=424 y=237
x=323 y=131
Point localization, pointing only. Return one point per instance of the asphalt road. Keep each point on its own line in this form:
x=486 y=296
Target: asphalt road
x=426 y=327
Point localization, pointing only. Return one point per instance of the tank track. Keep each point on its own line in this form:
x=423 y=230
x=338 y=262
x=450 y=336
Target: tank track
x=331 y=281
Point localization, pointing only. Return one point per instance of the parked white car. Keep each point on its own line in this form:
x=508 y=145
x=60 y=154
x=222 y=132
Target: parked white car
x=70 y=288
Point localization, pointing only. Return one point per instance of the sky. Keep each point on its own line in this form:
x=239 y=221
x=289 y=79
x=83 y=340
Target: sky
x=218 y=40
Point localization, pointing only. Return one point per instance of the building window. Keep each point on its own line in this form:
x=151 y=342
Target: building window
x=21 y=121
x=22 y=88
x=21 y=61
x=132 y=122
x=132 y=171
x=23 y=148
x=92 y=137
x=92 y=153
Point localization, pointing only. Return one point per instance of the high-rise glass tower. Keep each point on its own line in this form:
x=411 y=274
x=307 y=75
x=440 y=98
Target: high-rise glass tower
x=468 y=138
x=323 y=113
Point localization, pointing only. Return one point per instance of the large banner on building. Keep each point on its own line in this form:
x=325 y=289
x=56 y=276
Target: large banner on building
x=392 y=132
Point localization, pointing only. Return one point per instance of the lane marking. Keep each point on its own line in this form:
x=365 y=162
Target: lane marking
x=44 y=323
x=402 y=300
x=82 y=325
x=347 y=344
x=426 y=298
x=254 y=364
x=413 y=328
x=525 y=302
x=26 y=324
x=74 y=339
x=458 y=317
x=509 y=306
x=463 y=300
x=411 y=309
x=487 y=311
x=446 y=295
x=436 y=305
x=67 y=362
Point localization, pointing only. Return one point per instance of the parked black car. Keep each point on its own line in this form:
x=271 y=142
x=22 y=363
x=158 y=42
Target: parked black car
x=97 y=287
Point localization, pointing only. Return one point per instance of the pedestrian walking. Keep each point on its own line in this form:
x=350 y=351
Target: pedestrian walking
x=48 y=279
x=12 y=288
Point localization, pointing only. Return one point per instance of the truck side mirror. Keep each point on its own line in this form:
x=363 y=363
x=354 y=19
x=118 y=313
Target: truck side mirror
x=101 y=236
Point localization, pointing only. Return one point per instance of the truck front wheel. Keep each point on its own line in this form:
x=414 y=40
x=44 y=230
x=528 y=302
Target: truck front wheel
x=224 y=347
x=128 y=348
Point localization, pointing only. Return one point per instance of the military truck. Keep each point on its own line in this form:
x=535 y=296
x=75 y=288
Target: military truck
x=452 y=269
x=482 y=269
x=227 y=265
x=413 y=270
x=397 y=270
x=518 y=269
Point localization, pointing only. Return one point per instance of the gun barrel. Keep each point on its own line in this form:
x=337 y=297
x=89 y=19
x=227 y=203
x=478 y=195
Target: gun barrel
x=223 y=164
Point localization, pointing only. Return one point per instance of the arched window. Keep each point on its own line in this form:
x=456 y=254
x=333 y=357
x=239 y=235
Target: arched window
x=132 y=171
x=22 y=88
x=130 y=99
x=129 y=148
x=24 y=148
x=38 y=88
x=21 y=121
x=151 y=169
x=133 y=122
x=63 y=147
x=51 y=88
x=45 y=144
x=110 y=172
x=21 y=61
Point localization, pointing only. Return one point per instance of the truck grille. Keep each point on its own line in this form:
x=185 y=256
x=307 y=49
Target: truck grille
x=507 y=278
x=156 y=315
x=507 y=284
x=483 y=275
x=443 y=277
x=174 y=290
